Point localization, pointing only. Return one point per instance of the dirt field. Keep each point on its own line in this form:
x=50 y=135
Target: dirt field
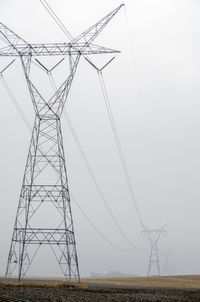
x=182 y=288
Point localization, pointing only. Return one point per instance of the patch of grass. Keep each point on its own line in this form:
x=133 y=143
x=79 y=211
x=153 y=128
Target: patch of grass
x=80 y=286
x=43 y=285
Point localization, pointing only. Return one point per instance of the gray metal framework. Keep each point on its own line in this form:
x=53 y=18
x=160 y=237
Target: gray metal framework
x=153 y=237
x=45 y=180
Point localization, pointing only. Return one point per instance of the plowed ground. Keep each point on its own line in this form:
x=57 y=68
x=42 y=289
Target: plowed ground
x=95 y=294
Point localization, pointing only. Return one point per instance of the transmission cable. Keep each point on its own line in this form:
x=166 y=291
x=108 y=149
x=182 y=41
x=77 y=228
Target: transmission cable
x=141 y=96
x=138 y=80
x=90 y=170
x=60 y=24
x=94 y=226
x=118 y=144
x=65 y=30
x=56 y=19
x=20 y=111
x=109 y=111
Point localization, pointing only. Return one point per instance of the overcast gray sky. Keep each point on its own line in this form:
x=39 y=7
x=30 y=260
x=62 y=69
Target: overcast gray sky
x=153 y=86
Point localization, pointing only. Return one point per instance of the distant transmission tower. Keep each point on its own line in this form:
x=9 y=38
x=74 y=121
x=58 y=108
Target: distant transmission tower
x=45 y=181
x=153 y=237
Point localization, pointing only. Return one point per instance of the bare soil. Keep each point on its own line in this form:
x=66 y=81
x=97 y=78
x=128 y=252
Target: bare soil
x=36 y=294
x=104 y=290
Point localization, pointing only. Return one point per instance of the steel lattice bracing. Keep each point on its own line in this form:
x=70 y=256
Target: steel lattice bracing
x=45 y=181
x=154 y=263
x=36 y=194
x=153 y=237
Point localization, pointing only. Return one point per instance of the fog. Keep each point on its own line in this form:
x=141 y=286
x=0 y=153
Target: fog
x=153 y=88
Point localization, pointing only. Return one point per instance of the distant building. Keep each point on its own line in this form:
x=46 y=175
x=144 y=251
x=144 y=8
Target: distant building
x=112 y=274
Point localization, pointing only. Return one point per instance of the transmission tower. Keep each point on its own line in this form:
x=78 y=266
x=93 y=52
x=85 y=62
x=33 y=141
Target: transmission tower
x=45 y=180
x=153 y=237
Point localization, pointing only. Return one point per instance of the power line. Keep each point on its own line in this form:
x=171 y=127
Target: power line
x=118 y=144
x=20 y=111
x=95 y=227
x=116 y=136
x=90 y=170
x=148 y=134
x=56 y=19
x=65 y=30
x=112 y=122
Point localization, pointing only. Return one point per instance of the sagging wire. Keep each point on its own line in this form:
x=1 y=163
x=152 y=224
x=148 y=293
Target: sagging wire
x=56 y=19
x=95 y=227
x=96 y=184
x=135 y=65
x=109 y=110
x=116 y=136
x=88 y=166
x=65 y=30
x=142 y=99
x=20 y=111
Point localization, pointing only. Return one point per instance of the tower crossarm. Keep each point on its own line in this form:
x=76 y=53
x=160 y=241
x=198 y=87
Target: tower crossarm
x=53 y=49
x=89 y=35
x=10 y=41
x=14 y=45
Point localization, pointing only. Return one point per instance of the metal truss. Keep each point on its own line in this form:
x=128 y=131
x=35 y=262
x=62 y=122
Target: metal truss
x=153 y=237
x=45 y=180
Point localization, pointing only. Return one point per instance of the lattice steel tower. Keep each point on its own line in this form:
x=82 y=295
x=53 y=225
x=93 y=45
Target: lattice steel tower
x=45 y=181
x=153 y=237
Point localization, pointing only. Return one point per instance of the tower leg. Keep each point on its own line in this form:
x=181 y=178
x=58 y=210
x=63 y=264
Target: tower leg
x=45 y=186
